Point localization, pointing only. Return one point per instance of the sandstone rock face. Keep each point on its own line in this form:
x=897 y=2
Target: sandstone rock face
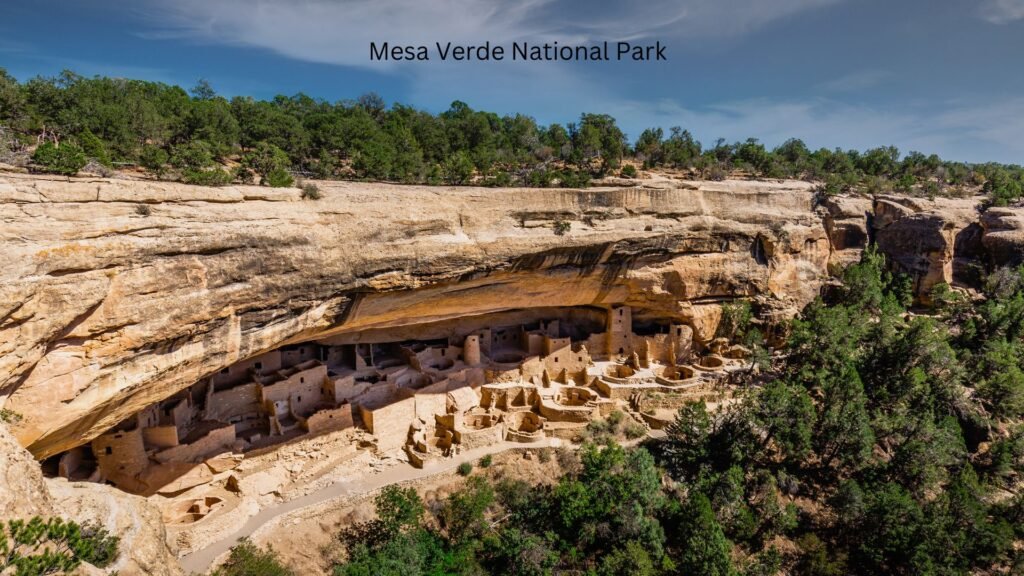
x=846 y=220
x=1003 y=236
x=925 y=237
x=106 y=308
x=24 y=493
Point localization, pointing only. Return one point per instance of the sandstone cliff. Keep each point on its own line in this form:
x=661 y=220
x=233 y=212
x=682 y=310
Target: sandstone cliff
x=24 y=493
x=107 y=307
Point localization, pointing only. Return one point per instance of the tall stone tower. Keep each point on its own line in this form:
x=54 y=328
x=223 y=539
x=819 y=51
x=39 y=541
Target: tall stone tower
x=620 y=331
x=681 y=343
x=471 y=350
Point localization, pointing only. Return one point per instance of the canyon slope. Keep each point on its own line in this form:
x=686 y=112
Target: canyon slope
x=116 y=294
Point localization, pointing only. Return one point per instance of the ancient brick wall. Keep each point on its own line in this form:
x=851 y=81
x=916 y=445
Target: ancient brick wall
x=215 y=442
x=333 y=419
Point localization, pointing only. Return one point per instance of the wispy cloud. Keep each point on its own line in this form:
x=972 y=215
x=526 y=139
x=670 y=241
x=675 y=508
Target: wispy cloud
x=340 y=31
x=966 y=131
x=976 y=130
x=856 y=81
x=1002 y=11
x=11 y=46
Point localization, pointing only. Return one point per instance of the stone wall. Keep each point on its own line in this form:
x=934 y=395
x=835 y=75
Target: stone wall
x=160 y=436
x=241 y=371
x=389 y=422
x=234 y=403
x=330 y=419
x=121 y=453
x=215 y=442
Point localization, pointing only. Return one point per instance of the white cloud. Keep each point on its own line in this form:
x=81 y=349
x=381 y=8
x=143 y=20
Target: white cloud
x=1002 y=11
x=340 y=31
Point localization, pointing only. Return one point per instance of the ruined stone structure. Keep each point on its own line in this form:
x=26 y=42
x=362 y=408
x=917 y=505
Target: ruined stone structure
x=427 y=397
x=254 y=403
x=158 y=349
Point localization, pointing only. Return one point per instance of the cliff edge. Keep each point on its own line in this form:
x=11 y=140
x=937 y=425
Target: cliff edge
x=116 y=294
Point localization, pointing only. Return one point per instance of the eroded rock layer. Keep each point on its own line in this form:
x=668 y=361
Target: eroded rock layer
x=106 y=308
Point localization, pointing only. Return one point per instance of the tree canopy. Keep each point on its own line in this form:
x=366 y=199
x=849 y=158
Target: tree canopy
x=119 y=122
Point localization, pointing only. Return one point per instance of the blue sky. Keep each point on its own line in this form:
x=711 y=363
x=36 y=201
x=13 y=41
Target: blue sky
x=942 y=76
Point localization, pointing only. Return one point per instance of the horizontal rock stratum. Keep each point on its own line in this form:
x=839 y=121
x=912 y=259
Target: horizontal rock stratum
x=116 y=294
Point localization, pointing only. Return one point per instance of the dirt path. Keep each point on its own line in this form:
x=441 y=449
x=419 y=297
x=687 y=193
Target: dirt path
x=200 y=561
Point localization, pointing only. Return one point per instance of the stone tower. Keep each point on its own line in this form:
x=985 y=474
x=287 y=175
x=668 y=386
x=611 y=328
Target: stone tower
x=681 y=342
x=471 y=350
x=620 y=331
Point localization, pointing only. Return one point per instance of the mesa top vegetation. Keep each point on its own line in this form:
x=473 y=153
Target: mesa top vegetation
x=203 y=138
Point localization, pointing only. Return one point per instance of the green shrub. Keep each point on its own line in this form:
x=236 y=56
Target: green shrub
x=271 y=163
x=616 y=418
x=458 y=168
x=818 y=559
x=634 y=430
x=544 y=455
x=540 y=178
x=248 y=559
x=311 y=191
x=154 y=159
x=628 y=171
x=212 y=177
x=326 y=165
x=500 y=180
x=195 y=155
x=242 y=175
x=598 y=426
x=66 y=159
x=561 y=227
x=717 y=173
x=485 y=462
x=39 y=547
x=9 y=416
x=279 y=178
x=464 y=469
x=93 y=147
x=736 y=319
x=573 y=179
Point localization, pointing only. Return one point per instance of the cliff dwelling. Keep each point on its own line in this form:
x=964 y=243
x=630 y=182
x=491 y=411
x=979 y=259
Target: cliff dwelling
x=418 y=392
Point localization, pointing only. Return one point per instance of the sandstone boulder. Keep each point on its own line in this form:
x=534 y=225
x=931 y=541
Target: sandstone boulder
x=1003 y=235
